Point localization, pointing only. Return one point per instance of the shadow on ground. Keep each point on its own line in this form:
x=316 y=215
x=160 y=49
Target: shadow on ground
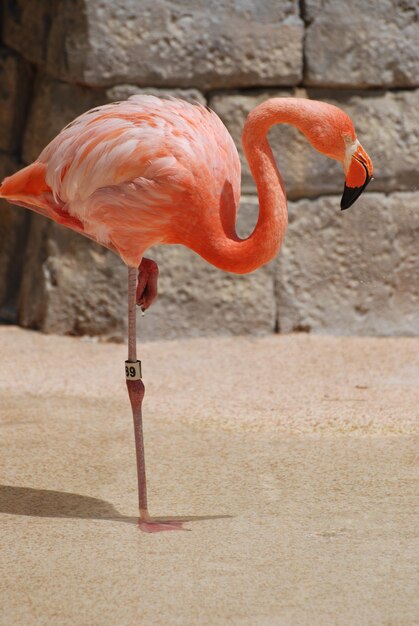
x=48 y=503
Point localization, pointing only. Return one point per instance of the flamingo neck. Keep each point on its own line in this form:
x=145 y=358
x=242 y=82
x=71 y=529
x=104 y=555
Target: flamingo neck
x=222 y=247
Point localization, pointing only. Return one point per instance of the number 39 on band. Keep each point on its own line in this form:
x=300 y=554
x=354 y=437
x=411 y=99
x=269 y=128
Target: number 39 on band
x=133 y=370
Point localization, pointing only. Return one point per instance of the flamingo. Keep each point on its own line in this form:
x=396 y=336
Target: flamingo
x=148 y=171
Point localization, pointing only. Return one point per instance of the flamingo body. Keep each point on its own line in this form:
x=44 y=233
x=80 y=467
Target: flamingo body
x=133 y=174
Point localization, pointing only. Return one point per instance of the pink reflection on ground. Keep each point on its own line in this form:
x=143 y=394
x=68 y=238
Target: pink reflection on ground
x=150 y=526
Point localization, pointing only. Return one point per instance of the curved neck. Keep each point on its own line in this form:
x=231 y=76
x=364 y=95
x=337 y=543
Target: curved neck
x=222 y=246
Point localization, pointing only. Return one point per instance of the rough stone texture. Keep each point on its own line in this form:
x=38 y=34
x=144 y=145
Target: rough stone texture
x=72 y=286
x=353 y=272
x=51 y=34
x=88 y=52
x=124 y=91
x=64 y=102
x=205 y=44
x=13 y=227
x=15 y=79
x=387 y=125
x=362 y=43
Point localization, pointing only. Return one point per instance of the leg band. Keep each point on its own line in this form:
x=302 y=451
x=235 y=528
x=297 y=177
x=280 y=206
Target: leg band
x=133 y=370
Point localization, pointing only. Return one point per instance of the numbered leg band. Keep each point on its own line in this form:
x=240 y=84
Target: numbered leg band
x=133 y=370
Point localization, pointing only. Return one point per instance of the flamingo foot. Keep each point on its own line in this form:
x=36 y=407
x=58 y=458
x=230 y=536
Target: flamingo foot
x=148 y=273
x=149 y=525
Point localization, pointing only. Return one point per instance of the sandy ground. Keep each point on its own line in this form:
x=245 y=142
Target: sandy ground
x=294 y=459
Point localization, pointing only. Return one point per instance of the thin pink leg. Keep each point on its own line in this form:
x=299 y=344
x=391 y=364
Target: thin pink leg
x=136 y=391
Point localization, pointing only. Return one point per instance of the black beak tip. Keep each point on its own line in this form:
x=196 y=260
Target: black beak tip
x=350 y=194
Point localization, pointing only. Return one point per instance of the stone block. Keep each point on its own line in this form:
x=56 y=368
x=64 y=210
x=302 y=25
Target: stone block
x=57 y=103
x=387 y=125
x=15 y=81
x=25 y=27
x=51 y=34
x=124 y=91
x=72 y=286
x=351 y=273
x=13 y=227
x=362 y=43
x=205 y=44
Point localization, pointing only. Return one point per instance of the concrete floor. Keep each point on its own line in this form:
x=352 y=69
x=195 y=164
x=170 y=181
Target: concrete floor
x=294 y=459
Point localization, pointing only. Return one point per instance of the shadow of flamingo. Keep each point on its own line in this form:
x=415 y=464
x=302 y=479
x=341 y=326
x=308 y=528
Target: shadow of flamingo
x=32 y=502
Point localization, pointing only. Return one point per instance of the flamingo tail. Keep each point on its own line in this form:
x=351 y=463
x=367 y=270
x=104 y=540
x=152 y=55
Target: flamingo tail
x=28 y=188
x=30 y=181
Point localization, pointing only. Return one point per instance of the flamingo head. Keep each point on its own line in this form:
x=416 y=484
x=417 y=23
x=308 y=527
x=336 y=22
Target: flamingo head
x=334 y=135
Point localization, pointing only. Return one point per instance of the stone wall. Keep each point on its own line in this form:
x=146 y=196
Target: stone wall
x=346 y=273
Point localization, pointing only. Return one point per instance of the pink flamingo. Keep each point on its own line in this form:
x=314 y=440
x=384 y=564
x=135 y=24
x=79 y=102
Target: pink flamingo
x=149 y=171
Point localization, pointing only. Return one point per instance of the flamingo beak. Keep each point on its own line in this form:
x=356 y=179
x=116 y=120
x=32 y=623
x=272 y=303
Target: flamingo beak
x=358 y=175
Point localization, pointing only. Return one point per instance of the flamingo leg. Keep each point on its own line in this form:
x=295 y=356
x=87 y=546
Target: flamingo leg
x=136 y=391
